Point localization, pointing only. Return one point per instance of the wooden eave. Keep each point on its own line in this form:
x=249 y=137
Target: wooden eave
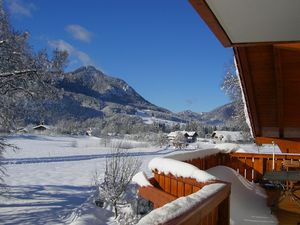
x=210 y=19
x=270 y=78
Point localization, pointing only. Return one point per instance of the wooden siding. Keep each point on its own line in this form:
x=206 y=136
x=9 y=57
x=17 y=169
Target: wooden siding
x=271 y=83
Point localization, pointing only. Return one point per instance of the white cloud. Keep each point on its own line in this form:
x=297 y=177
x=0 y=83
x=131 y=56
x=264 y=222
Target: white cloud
x=65 y=46
x=80 y=33
x=17 y=7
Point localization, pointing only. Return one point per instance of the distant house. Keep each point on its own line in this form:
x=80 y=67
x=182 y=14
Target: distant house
x=188 y=137
x=89 y=132
x=191 y=136
x=22 y=130
x=40 y=127
x=227 y=136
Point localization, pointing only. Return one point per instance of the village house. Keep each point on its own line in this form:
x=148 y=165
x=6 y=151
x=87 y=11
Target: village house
x=40 y=127
x=227 y=136
x=189 y=136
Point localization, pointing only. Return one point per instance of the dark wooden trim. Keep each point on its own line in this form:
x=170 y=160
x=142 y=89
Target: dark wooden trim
x=286 y=44
x=212 y=22
x=279 y=86
x=247 y=87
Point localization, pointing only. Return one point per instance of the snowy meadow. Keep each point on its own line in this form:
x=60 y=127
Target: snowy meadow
x=51 y=179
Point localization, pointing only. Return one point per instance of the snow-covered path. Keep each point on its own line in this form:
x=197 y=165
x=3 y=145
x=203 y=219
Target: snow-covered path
x=82 y=157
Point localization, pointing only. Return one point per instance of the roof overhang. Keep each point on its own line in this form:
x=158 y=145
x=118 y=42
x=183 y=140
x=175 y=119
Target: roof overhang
x=239 y=22
x=265 y=36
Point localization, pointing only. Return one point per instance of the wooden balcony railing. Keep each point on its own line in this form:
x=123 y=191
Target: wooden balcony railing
x=215 y=210
x=209 y=210
x=252 y=166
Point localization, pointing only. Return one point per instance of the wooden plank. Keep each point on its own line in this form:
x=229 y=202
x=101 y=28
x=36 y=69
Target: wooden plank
x=242 y=166
x=258 y=166
x=188 y=189
x=162 y=181
x=174 y=187
x=247 y=86
x=279 y=93
x=249 y=168
x=205 y=207
x=180 y=189
x=195 y=189
x=167 y=184
x=158 y=197
x=224 y=212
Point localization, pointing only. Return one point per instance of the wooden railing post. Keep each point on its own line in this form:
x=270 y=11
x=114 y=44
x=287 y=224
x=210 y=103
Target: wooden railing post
x=224 y=212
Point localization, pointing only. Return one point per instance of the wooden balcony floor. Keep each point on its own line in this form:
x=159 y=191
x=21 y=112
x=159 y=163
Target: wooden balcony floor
x=288 y=212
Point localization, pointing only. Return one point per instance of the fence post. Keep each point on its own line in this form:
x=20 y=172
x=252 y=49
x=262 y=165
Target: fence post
x=224 y=212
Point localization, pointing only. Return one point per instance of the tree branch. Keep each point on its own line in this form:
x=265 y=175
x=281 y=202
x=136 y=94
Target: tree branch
x=8 y=74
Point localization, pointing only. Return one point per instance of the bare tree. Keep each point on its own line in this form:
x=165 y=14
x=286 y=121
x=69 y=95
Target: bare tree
x=180 y=140
x=23 y=74
x=3 y=146
x=120 y=167
x=162 y=139
x=231 y=87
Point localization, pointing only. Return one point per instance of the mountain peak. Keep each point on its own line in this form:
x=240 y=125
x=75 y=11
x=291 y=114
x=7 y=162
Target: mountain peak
x=87 y=70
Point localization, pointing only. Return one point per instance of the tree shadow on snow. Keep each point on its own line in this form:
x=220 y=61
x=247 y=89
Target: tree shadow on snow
x=39 y=204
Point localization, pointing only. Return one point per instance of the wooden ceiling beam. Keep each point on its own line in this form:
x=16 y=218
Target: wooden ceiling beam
x=279 y=90
x=247 y=86
x=288 y=46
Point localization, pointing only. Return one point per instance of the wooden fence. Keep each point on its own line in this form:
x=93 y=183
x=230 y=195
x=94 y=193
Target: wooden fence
x=214 y=210
x=252 y=166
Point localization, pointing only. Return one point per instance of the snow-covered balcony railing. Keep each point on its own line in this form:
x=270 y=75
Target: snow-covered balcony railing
x=209 y=205
x=192 y=195
x=251 y=166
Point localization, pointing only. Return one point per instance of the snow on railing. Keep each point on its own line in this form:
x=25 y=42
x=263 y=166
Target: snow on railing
x=202 y=153
x=141 y=179
x=194 y=154
x=185 y=205
x=179 y=169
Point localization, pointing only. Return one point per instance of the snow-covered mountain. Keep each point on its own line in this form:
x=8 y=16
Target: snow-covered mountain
x=89 y=93
x=105 y=89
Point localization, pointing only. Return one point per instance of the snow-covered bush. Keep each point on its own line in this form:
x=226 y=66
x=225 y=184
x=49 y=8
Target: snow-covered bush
x=120 y=167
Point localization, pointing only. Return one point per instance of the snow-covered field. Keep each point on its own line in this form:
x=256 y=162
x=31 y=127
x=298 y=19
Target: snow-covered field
x=51 y=178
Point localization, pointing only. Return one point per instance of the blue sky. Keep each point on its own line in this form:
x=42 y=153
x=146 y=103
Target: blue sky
x=161 y=48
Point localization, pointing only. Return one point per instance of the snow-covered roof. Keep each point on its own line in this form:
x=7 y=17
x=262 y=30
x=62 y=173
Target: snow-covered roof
x=232 y=135
x=179 y=169
x=41 y=126
x=175 y=133
x=228 y=147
